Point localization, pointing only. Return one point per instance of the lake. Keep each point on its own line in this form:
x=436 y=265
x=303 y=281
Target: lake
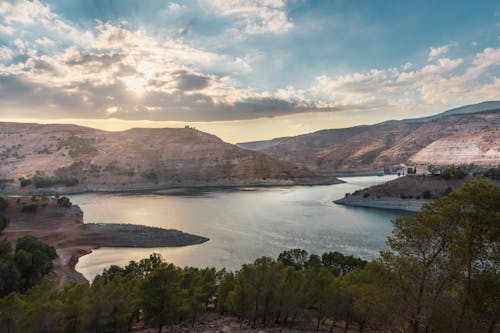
x=242 y=224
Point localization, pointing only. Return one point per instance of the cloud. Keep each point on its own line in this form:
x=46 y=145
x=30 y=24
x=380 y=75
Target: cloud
x=52 y=69
x=255 y=16
x=5 y=53
x=433 y=85
x=123 y=73
x=174 y=6
x=436 y=52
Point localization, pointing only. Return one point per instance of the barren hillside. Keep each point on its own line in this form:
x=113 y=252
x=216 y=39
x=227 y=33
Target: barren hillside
x=70 y=158
x=461 y=138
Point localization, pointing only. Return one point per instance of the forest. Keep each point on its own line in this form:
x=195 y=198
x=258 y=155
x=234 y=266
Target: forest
x=439 y=273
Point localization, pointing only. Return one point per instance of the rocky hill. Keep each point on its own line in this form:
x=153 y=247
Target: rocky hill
x=69 y=158
x=455 y=138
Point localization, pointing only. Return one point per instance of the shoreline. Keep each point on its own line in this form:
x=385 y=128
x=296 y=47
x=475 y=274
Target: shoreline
x=64 y=229
x=409 y=205
x=146 y=189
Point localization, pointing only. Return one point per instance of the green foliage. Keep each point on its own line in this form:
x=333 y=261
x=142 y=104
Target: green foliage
x=4 y=222
x=64 y=202
x=4 y=203
x=439 y=254
x=31 y=208
x=150 y=174
x=40 y=181
x=440 y=274
x=23 y=182
x=341 y=264
x=33 y=258
x=72 y=170
x=160 y=295
x=295 y=258
x=426 y=194
x=78 y=146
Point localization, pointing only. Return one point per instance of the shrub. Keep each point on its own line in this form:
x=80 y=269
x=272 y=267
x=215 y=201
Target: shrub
x=150 y=174
x=42 y=181
x=64 y=202
x=426 y=194
x=4 y=221
x=3 y=203
x=23 y=182
x=31 y=208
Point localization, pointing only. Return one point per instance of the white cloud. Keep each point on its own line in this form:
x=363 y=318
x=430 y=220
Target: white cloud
x=436 y=52
x=174 y=6
x=5 y=29
x=433 y=85
x=5 y=53
x=256 y=16
x=45 y=41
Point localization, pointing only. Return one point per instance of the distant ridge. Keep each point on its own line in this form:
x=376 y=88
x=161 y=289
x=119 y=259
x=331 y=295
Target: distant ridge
x=468 y=134
x=467 y=109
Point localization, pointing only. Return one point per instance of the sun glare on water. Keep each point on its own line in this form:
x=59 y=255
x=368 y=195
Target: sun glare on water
x=135 y=83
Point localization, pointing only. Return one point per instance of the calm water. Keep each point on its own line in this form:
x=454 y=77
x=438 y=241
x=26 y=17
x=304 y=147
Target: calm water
x=242 y=224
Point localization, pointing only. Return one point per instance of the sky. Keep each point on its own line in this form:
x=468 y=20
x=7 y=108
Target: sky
x=244 y=69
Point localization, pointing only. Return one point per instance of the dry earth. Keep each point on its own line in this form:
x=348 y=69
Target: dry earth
x=95 y=160
x=460 y=139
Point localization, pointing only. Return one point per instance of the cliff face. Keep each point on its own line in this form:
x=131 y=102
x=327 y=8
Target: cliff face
x=72 y=158
x=462 y=138
x=477 y=148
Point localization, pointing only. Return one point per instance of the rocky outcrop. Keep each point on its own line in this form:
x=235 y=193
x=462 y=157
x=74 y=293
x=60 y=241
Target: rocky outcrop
x=478 y=148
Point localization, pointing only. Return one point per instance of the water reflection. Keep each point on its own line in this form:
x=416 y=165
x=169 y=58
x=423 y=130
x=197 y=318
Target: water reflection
x=242 y=224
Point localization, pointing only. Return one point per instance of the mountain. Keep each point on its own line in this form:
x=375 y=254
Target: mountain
x=465 y=135
x=70 y=158
x=473 y=108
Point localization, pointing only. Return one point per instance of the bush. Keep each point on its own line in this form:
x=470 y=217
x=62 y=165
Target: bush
x=30 y=208
x=23 y=182
x=3 y=203
x=64 y=202
x=426 y=194
x=42 y=181
x=150 y=174
x=4 y=221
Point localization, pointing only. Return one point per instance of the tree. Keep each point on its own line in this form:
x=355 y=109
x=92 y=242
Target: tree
x=224 y=288
x=9 y=273
x=198 y=287
x=160 y=295
x=74 y=299
x=44 y=308
x=339 y=263
x=33 y=259
x=12 y=308
x=439 y=254
x=295 y=258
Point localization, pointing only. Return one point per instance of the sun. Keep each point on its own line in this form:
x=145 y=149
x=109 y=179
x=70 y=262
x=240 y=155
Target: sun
x=135 y=83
